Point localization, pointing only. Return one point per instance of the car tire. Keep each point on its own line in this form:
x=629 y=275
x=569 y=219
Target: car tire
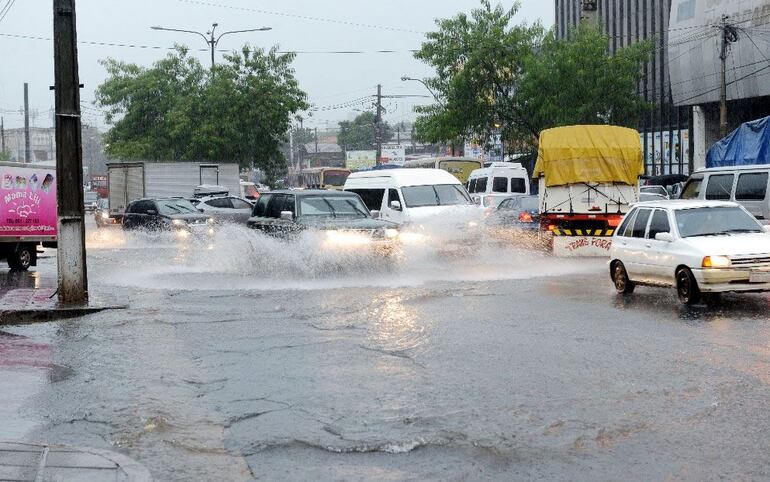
x=687 y=287
x=623 y=285
x=21 y=259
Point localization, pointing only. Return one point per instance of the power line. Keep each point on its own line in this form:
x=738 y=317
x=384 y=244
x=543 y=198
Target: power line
x=158 y=47
x=728 y=83
x=6 y=9
x=303 y=17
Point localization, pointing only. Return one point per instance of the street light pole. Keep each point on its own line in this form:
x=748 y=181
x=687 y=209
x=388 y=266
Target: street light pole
x=209 y=37
x=435 y=96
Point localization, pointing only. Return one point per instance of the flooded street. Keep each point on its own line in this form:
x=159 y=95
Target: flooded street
x=240 y=359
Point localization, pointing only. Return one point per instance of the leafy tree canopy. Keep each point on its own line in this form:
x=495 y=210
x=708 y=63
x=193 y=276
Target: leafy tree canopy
x=176 y=110
x=493 y=74
x=359 y=134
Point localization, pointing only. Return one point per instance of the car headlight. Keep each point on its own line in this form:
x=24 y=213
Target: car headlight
x=211 y=220
x=410 y=237
x=178 y=222
x=716 y=262
x=105 y=215
x=391 y=233
x=472 y=224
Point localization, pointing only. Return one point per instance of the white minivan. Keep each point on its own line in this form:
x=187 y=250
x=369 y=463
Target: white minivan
x=501 y=180
x=412 y=195
x=749 y=186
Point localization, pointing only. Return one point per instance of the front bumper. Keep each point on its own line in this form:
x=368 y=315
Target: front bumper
x=712 y=280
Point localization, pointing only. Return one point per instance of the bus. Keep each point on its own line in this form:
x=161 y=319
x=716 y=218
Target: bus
x=459 y=167
x=320 y=178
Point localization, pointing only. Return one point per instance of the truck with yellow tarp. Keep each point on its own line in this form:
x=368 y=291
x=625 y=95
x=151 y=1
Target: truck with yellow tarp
x=588 y=179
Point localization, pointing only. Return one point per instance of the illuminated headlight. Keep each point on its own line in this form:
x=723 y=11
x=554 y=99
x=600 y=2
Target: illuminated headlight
x=391 y=233
x=472 y=224
x=716 y=262
x=412 y=237
x=182 y=234
x=347 y=238
x=178 y=222
x=211 y=220
x=105 y=215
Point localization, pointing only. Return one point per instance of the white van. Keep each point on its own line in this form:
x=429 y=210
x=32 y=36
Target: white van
x=490 y=185
x=746 y=185
x=412 y=195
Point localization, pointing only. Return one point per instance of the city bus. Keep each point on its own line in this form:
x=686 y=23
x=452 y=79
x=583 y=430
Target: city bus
x=320 y=178
x=459 y=167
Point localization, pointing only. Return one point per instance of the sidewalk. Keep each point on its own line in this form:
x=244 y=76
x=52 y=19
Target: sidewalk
x=29 y=462
x=30 y=305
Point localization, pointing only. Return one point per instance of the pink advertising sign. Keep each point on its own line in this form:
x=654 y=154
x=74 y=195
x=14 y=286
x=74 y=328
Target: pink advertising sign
x=27 y=202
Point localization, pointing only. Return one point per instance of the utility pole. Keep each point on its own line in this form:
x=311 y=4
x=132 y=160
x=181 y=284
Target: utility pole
x=2 y=134
x=291 y=147
x=729 y=35
x=378 y=124
x=302 y=145
x=71 y=256
x=27 y=150
x=316 y=146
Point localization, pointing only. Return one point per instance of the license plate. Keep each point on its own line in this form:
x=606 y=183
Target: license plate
x=759 y=278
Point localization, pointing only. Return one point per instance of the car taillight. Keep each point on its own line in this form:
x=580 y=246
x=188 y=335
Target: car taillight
x=613 y=222
x=525 y=217
x=551 y=227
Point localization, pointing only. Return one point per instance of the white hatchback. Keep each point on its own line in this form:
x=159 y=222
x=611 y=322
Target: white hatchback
x=698 y=247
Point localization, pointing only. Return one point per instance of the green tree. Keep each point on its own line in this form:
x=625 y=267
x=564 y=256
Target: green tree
x=5 y=156
x=494 y=75
x=359 y=134
x=577 y=81
x=479 y=62
x=178 y=110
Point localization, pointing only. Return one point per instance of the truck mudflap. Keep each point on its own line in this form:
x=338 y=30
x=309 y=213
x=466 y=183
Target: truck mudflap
x=579 y=243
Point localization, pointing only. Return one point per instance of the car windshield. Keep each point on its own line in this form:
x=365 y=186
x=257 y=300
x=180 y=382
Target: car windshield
x=715 y=221
x=438 y=195
x=529 y=203
x=335 y=178
x=170 y=207
x=332 y=207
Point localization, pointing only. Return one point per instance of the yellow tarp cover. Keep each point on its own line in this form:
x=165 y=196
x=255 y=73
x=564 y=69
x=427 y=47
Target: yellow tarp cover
x=589 y=153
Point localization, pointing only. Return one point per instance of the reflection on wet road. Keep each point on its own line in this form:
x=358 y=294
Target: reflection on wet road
x=243 y=360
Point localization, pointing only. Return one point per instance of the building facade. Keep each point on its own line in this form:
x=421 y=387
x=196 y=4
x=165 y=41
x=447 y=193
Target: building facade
x=666 y=129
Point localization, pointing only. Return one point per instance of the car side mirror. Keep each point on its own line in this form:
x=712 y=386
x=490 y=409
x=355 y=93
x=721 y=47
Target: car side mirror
x=287 y=215
x=375 y=214
x=395 y=205
x=152 y=212
x=667 y=237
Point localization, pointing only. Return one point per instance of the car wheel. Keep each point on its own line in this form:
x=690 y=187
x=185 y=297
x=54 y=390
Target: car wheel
x=687 y=287
x=623 y=285
x=21 y=260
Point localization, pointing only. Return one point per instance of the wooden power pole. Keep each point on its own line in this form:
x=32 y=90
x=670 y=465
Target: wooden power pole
x=729 y=35
x=378 y=124
x=71 y=256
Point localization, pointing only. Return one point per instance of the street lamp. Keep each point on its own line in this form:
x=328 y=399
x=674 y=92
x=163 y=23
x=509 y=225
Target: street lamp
x=212 y=40
x=407 y=79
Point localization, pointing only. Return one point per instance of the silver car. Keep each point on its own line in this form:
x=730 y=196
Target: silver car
x=227 y=209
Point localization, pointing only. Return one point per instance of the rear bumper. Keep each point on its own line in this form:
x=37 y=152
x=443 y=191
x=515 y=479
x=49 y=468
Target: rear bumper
x=723 y=280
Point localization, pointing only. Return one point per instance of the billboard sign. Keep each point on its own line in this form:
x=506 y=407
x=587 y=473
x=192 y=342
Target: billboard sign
x=27 y=202
x=360 y=159
x=393 y=155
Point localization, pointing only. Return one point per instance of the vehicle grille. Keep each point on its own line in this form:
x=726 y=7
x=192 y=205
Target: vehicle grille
x=751 y=261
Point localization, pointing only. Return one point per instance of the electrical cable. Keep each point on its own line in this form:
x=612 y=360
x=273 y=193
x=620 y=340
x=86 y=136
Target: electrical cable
x=303 y=17
x=6 y=9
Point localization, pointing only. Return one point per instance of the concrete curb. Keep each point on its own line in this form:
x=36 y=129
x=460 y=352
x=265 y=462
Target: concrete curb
x=28 y=461
x=24 y=306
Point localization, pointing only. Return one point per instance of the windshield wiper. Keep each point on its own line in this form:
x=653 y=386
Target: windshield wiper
x=743 y=231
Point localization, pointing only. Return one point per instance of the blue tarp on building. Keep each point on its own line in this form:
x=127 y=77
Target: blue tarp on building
x=747 y=145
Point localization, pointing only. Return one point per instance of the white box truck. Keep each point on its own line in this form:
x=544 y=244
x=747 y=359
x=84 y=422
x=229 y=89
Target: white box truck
x=128 y=181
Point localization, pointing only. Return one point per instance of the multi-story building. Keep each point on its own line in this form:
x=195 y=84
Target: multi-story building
x=666 y=128
x=682 y=79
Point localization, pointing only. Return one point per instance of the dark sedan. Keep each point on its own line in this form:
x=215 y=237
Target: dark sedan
x=515 y=220
x=342 y=216
x=167 y=214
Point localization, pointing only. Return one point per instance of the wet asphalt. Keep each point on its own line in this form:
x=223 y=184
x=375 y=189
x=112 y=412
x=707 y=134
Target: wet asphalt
x=244 y=358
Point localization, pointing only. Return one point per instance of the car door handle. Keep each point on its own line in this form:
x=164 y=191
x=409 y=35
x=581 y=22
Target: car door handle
x=648 y=245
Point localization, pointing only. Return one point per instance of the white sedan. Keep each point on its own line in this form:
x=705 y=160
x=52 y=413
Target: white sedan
x=698 y=247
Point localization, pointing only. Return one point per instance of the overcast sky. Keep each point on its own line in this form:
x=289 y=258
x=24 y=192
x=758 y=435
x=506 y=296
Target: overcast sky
x=302 y=25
